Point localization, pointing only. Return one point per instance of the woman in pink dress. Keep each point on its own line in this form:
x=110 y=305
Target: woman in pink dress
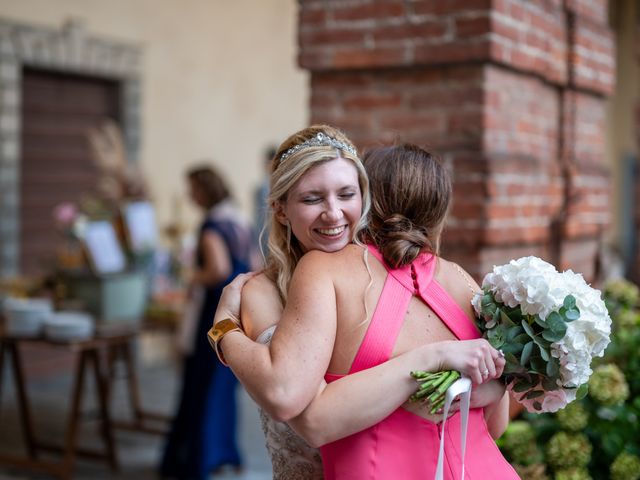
x=332 y=299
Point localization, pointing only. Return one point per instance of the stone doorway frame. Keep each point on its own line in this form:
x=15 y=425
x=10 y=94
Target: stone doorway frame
x=66 y=50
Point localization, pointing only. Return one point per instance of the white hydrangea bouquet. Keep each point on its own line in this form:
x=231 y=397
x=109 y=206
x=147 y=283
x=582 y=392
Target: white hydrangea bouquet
x=548 y=324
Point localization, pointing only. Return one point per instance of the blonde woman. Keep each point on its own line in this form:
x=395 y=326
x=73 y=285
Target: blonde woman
x=319 y=196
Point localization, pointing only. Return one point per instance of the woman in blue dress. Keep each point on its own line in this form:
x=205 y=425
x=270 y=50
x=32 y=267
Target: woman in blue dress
x=203 y=431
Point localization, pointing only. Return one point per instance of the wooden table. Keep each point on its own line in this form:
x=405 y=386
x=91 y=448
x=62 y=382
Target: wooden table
x=116 y=342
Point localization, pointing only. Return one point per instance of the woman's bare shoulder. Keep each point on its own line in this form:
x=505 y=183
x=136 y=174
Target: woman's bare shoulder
x=317 y=259
x=456 y=281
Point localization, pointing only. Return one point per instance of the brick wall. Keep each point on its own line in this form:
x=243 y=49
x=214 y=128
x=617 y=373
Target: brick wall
x=510 y=93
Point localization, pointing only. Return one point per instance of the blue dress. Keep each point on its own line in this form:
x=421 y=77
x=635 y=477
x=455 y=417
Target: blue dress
x=203 y=432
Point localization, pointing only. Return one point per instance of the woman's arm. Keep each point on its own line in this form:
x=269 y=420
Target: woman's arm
x=284 y=377
x=217 y=261
x=372 y=394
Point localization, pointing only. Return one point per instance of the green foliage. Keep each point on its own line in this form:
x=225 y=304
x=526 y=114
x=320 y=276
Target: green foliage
x=612 y=405
x=526 y=340
x=568 y=450
x=625 y=467
x=519 y=444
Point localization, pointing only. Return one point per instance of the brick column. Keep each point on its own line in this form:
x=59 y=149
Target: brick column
x=510 y=93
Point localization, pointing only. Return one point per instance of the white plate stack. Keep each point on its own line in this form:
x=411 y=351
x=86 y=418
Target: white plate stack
x=26 y=317
x=66 y=326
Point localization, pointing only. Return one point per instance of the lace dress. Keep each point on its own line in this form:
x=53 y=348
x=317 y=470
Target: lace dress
x=291 y=457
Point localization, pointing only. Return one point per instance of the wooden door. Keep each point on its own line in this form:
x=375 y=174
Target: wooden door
x=56 y=164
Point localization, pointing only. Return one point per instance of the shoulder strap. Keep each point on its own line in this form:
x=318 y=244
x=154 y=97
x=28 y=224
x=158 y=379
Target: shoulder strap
x=385 y=325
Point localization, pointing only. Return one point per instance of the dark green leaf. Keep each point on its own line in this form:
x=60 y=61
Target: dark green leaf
x=522 y=386
x=540 y=321
x=554 y=319
x=552 y=367
x=552 y=336
x=537 y=405
x=573 y=314
x=522 y=338
x=582 y=391
x=569 y=302
x=514 y=348
x=550 y=384
x=528 y=329
x=510 y=358
x=513 y=332
x=544 y=353
x=538 y=365
x=526 y=353
x=496 y=336
x=488 y=305
x=505 y=319
x=534 y=394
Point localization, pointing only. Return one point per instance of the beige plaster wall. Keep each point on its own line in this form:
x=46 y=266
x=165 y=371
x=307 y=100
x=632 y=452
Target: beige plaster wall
x=220 y=81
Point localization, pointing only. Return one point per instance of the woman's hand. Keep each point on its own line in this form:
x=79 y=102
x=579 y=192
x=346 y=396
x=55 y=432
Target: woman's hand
x=229 y=303
x=476 y=359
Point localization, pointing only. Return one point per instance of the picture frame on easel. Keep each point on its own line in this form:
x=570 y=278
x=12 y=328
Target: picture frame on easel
x=141 y=230
x=103 y=248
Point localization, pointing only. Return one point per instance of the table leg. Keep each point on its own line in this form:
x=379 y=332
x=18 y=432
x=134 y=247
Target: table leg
x=25 y=414
x=2 y=349
x=106 y=427
x=132 y=379
x=74 y=414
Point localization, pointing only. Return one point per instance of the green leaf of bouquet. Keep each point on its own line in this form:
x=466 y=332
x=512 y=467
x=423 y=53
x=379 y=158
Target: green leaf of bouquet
x=496 y=336
x=552 y=367
x=505 y=319
x=510 y=358
x=544 y=353
x=537 y=405
x=553 y=319
x=512 y=347
x=569 y=302
x=560 y=328
x=540 y=321
x=515 y=314
x=487 y=304
x=510 y=367
x=538 y=365
x=513 y=332
x=523 y=385
x=582 y=391
x=549 y=384
x=526 y=353
x=573 y=314
x=552 y=336
x=522 y=338
x=528 y=329
x=534 y=394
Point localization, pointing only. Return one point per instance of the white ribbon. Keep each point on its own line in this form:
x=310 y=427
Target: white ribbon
x=460 y=387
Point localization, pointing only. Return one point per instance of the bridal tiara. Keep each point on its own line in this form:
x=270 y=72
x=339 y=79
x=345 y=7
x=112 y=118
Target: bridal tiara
x=319 y=140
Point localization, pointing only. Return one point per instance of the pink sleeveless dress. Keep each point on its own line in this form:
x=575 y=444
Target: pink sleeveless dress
x=404 y=445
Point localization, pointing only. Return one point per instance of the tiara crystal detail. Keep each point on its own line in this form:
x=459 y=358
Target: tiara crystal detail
x=320 y=140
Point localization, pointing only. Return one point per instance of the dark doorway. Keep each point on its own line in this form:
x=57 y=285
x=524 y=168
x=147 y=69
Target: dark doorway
x=56 y=164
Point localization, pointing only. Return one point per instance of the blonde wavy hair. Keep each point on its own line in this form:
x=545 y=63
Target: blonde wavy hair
x=284 y=249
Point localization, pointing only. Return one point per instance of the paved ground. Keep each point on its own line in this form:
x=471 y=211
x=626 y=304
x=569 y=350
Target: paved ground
x=138 y=452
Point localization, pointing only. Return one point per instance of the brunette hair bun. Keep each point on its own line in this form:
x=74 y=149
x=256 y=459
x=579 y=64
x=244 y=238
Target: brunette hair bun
x=401 y=241
x=411 y=193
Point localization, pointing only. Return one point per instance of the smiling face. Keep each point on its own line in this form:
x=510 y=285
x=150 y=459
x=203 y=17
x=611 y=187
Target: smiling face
x=324 y=206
